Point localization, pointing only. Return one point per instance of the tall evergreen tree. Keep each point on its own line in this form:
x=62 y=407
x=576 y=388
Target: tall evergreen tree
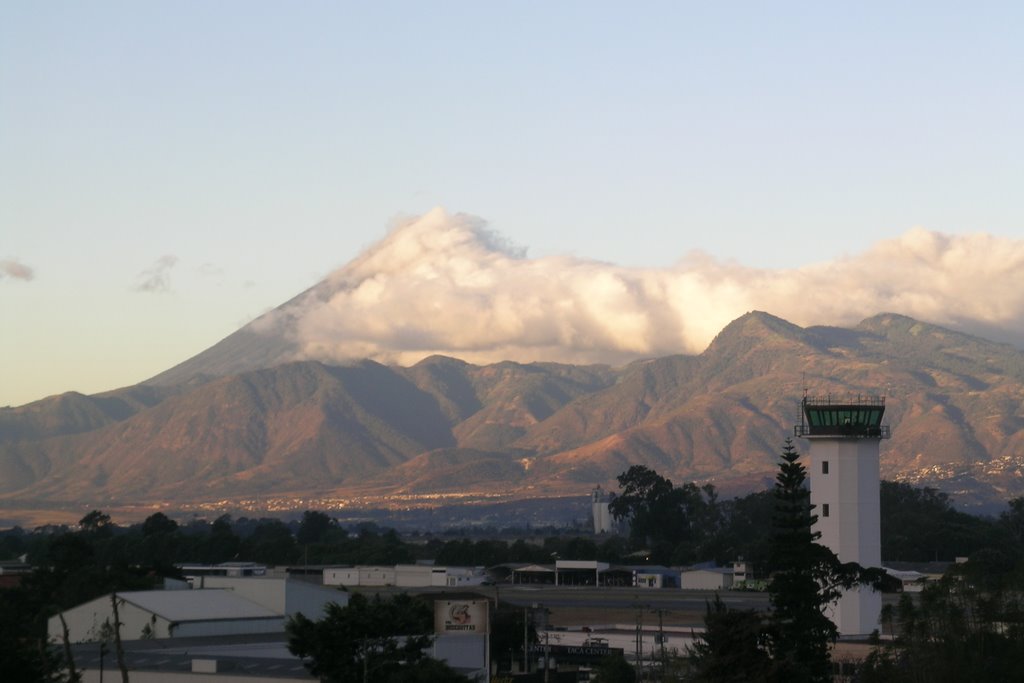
x=793 y=645
x=806 y=578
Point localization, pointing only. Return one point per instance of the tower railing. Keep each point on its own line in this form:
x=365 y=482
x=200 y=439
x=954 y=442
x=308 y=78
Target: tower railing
x=851 y=430
x=869 y=400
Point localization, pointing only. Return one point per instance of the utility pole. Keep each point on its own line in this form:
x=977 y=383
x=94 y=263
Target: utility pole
x=526 y=641
x=547 y=657
x=661 y=639
x=640 y=641
x=487 y=641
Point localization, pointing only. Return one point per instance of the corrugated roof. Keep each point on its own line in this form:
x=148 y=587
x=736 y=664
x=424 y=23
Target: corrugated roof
x=197 y=605
x=535 y=568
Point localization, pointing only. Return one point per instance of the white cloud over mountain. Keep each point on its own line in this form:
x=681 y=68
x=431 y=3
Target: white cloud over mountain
x=444 y=283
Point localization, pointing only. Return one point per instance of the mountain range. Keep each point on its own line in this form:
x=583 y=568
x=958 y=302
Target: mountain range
x=234 y=423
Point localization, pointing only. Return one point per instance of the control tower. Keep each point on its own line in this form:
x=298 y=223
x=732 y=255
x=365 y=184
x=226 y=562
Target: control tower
x=845 y=435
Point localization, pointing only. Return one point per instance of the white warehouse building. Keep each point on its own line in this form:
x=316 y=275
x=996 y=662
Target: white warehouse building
x=167 y=614
x=227 y=606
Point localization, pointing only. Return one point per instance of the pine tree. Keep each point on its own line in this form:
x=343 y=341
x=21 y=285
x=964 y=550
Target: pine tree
x=793 y=646
x=806 y=577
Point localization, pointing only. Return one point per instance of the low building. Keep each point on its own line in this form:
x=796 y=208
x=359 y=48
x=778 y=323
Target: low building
x=655 y=576
x=419 y=575
x=575 y=650
x=260 y=658
x=194 y=572
x=579 y=572
x=533 y=573
x=167 y=614
x=706 y=578
x=914 y=576
x=465 y=576
x=12 y=572
x=405 y=575
x=226 y=606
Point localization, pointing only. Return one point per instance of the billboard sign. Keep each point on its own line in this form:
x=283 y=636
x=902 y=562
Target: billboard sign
x=454 y=617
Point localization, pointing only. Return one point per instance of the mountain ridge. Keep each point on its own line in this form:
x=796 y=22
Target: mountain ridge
x=446 y=426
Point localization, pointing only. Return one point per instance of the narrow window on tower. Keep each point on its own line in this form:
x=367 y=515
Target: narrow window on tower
x=824 y=510
x=824 y=466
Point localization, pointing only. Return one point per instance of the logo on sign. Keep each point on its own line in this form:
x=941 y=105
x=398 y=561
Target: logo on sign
x=460 y=616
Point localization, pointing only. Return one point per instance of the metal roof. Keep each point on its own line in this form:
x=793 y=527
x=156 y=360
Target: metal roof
x=242 y=656
x=197 y=605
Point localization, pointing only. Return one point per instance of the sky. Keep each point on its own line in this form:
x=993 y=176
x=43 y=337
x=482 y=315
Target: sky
x=171 y=170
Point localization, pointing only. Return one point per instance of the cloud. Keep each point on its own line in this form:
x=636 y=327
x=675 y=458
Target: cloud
x=445 y=284
x=157 y=278
x=15 y=269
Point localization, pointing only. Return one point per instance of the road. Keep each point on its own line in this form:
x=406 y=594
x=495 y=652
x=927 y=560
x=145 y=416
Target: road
x=583 y=606
x=579 y=606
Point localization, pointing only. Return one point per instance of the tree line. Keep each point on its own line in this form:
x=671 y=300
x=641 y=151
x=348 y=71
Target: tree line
x=668 y=524
x=680 y=525
x=979 y=602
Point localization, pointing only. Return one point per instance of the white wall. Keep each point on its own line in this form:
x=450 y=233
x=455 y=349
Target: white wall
x=702 y=579
x=283 y=596
x=376 y=576
x=463 y=651
x=227 y=627
x=852 y=528
x=341 y=576
x=410 y=575
x=360 y=576
x=641 y=580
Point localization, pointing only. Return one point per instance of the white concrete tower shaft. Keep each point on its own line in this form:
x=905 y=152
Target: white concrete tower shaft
x=844 y=477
